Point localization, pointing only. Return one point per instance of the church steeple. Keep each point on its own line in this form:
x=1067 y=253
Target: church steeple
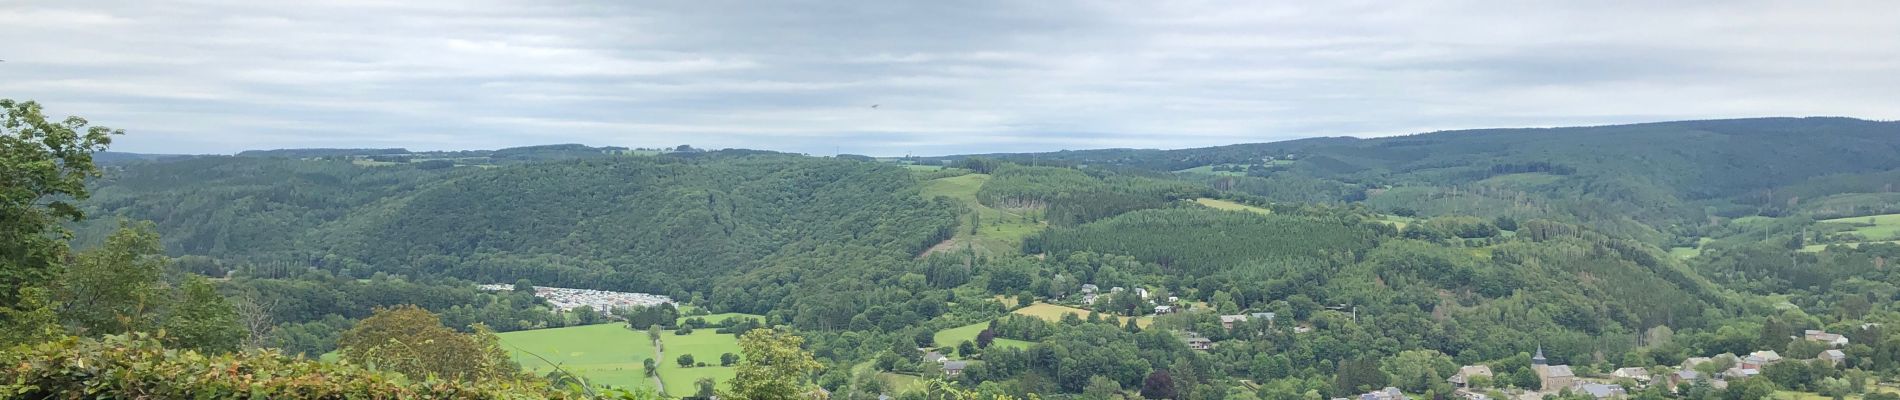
x=1539 y=358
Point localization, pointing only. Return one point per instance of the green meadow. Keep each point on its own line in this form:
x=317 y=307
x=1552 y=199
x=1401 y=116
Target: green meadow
x=1883 y=228
x=1001 y=231
x=612 y=355
x=1230 y=206
x=605 y=354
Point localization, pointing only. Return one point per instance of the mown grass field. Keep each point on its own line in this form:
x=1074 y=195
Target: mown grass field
x=1001 y=231
x=1876 y=228
x=949 y=338
x=1219 y=204
x=605 y=354
x=1052 y=312
x=612 y=355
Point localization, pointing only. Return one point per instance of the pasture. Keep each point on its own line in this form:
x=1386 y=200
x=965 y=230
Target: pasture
x=1225 y=205
x=605 y=354
x=949 y=338
x=1052 y=313
x=1883 y=228
x=612 y=355
x=1001 y=232
x=1874 y=228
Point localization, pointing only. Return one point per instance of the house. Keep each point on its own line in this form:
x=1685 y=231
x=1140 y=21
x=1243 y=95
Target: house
x=1117 y=289
x=1462 y=379
x=954 y=368
x=1740 y=373
x=1601 y=391
x=935 y=357
x=1832 y=356
x=1228 y=321
x=1638 y=374
x=1090 y=288
x=1694 y=361
x=1143 y=292
x=1090 y=298
x=1199 y=343
x=1164 y=309
x=1759 y=359
x=1682 y=376
x=1832 y=339
x=1174 y=299
x=1389 y=393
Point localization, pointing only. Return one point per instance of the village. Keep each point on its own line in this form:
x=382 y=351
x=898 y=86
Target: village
x=604 y=301
x=1477 y=382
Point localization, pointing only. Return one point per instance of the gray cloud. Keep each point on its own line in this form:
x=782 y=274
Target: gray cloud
x=226 y=75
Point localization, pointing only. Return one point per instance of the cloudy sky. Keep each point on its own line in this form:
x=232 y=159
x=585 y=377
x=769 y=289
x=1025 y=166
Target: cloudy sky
x=219 y=76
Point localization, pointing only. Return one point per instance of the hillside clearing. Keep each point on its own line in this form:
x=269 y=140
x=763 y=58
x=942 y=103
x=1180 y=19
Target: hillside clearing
x=949 y=338
x=1053 y=313
x=1230 y=206
x=999 y=232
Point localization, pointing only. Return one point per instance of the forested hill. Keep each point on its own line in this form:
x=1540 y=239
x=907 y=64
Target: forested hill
x=1617 y=178
x=633 y=222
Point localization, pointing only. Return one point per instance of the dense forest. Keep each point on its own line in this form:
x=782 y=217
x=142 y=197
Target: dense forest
x=1308 y=269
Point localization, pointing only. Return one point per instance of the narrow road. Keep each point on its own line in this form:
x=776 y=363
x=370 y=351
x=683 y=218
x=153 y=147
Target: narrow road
x=659 y=358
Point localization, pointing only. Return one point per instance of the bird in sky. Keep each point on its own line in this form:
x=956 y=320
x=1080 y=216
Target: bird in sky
x=874 y=106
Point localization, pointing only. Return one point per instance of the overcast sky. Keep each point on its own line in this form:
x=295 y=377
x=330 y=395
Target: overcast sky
x=219 y=76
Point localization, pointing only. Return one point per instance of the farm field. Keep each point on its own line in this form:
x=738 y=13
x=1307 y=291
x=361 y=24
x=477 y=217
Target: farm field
x=1883 y=228
x=1794 y=395
x=610 y=354
x=1230 y=206
x=605 y=354
x=1002 y=231
x=1052 y=312
x=705 y=345
x=949 y=338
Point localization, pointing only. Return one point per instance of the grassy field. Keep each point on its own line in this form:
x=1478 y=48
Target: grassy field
x=1002 y=231
x=1053 y=312
x=1230 y=206
x=705 y=345
x=1818 y=247
x=1397 y=221
x=951 y=337
x=896 y=383
x=611 y=354
x=606 y=354
x=1876 y=228
x=1794 y=395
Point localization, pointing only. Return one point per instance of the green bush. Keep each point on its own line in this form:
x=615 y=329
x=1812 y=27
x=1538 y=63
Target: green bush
x=137 y=366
